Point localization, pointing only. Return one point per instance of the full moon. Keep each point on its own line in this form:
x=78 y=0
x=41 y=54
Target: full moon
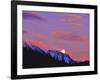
x=63 y=51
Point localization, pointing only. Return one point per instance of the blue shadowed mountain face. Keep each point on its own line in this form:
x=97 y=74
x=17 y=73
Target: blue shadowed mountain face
x=60 y=56
x=35 y=57
x=54 y=54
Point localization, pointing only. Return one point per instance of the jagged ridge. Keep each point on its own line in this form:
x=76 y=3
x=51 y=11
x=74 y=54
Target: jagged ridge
x=34 y=56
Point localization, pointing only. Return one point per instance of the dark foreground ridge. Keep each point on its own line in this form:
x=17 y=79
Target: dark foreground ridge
x=35 y=57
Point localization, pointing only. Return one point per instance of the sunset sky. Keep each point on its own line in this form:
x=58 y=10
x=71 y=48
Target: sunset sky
x=57 y=31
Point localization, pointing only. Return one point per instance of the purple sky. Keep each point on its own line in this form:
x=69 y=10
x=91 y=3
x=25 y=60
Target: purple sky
x=57 y=31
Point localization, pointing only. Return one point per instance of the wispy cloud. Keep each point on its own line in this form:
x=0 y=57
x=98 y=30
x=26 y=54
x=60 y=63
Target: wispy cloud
x=25 y=32
x=62 y=35
x=37 y=43
x=32 y=15
x=71 y=19
x=38 y=35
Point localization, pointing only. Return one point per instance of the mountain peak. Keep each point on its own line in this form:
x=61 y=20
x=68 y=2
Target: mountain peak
x=60 y=56
x=52 y=55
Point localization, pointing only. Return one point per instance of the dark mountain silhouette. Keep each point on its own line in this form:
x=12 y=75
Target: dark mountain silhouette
x=35 y=57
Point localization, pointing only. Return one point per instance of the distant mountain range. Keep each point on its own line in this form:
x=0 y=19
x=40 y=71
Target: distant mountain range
x=35 y=57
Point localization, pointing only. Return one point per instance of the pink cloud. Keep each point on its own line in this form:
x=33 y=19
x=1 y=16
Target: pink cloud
x=38 y=35
x=69 y=36
x=78 y=55
x=37 y=43
x=73 y=16
x=71 y=19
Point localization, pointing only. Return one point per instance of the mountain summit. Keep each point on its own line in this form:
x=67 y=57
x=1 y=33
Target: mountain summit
x=57 y=55
x=35 y=57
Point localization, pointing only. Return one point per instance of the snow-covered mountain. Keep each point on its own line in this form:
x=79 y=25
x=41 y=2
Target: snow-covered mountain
x=57 y=55
x=37 y=57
